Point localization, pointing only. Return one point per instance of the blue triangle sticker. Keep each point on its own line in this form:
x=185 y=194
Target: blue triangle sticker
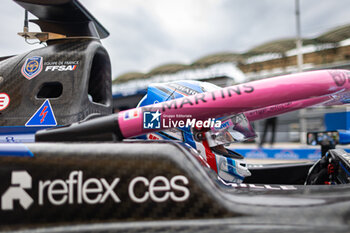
x=44 y=116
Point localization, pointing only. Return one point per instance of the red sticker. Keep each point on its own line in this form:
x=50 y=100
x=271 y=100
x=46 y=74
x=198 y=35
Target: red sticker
x=153 y=137
x=4 y=101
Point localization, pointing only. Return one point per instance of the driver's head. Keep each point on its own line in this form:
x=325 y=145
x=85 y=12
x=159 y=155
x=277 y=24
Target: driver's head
x=211 y=143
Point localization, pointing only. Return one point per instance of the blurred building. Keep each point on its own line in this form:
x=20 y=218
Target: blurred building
x=329 y=50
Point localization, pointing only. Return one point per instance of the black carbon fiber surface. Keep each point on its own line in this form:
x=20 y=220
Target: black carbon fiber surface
x=210 y=205
x=58 y=161
x=92 y=75
x=189 y=226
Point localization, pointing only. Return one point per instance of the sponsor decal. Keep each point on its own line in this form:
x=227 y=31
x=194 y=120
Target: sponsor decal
x=75 y=190
x=277 y=153
x=131 y=114
x=160 y=189
x=32 y=67
x=287 y=154
x=314 y=156
x=44 y=116
x=61 y=66
x=10 y=139
x=4 y=101
x=153 y=137
x=258 y=154
x=201 y=97
x=154 y=120
x=184 y=90
x=16 y=138
x=339 y=77
x=271 y=109
x=20 y=181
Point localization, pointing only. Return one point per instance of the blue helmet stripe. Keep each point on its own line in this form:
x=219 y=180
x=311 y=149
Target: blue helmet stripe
x=188 y=137
x=232 y=168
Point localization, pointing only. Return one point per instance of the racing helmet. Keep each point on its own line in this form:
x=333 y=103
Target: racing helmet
x=210 y=143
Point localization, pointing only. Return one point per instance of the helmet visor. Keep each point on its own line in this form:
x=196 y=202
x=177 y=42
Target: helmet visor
x=233 y=129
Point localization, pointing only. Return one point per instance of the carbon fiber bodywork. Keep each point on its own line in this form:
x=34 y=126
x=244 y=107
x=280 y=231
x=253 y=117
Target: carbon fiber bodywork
x=210 y=206
x=91 y=76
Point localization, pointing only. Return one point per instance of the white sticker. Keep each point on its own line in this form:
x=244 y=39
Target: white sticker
x=4 y=101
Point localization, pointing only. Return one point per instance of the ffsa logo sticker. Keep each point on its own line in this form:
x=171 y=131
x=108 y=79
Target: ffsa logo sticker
x=151 y=120
x=32 y=67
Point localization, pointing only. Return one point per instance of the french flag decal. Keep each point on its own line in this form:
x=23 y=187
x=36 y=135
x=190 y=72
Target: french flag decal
x=132 y=114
